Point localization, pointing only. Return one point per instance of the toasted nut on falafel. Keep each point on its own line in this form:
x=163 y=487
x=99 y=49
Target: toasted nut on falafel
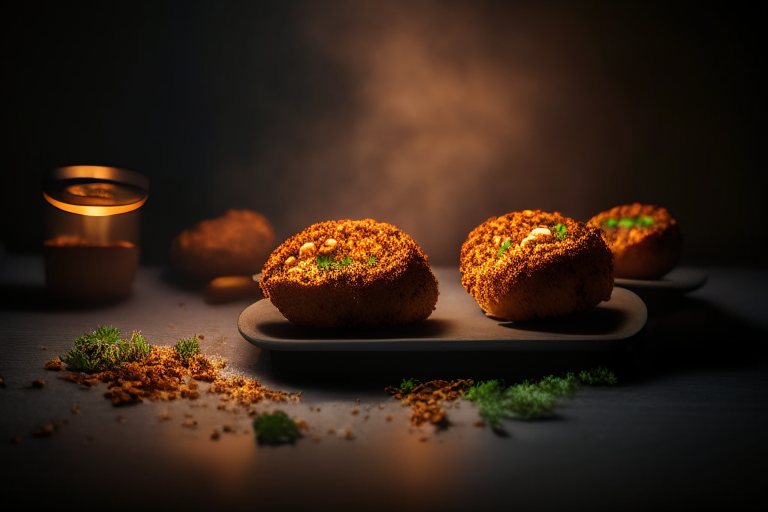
x=645 y=240
x=532 y=264
x=350 y=272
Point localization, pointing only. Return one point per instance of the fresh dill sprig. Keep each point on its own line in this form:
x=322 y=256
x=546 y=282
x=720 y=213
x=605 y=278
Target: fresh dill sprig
x=103 y=350
x=503 y=248
x=275 y=428
x=187 y=347
x=408 y=384
x=560 y=231
x=530 y=400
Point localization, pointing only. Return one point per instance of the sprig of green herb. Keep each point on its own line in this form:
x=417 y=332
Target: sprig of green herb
x=559 y=231
x=187 y=347
x=103 y=350
x=408 y=384
x=530 y=400
x=275 y=428
x=506 y=245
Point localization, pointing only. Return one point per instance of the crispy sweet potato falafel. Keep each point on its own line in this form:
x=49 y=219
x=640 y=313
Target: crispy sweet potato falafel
x=646 y=241
x=532 y=264
x=237 y=243
x=350 y=272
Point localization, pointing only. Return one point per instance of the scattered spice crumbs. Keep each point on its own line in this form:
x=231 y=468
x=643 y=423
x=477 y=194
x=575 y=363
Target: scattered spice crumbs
x=426 y=399
x=54 y=365
x=165 y=375
x=75 y=409
x=38 y=383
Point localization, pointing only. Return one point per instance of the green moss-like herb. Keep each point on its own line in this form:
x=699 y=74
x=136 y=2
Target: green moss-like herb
x=600 y=376
x=611 y=223
x=103 y=350
x=506 y=245
x=407 y=385
x=530 y=400
x=275 y=428
x=187 y=347
x=371 y=260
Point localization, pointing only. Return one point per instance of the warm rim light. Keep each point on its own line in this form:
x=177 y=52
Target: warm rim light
x=94 y=211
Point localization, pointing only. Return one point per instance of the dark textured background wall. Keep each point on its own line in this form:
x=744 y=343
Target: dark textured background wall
x=430 y=115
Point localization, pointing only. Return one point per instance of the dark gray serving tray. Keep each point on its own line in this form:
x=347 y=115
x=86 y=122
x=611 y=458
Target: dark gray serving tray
x=679 y=280
x=457 y=324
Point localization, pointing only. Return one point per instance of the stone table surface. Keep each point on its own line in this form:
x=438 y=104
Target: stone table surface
x=685 y=426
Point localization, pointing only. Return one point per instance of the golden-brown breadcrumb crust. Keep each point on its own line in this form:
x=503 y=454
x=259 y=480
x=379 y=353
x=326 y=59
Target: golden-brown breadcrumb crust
x=397 y=288
x=237 y=243
x=545 y=277
x=646 y=252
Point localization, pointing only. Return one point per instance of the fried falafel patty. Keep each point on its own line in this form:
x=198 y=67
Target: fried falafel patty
x=350 y=272
x=533 y=264
x=237 y=243
x=645 y=239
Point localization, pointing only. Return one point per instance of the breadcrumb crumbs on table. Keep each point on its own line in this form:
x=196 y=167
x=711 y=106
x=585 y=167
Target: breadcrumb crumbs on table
x=165 y=376
x=122 y=420
x=38 y=383
x=75 y=409
x=43 y=347
x=426 y=399
x=215 y=435
x=54 y=365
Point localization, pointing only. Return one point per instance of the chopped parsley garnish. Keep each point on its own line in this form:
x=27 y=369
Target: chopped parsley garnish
x=503 y=248
x=559 y=231
x=371 y=260
x=275 y=428
x=642 y=221
x=326 y=262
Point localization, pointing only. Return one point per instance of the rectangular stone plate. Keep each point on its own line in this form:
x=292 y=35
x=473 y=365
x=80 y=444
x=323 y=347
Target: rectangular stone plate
x=457 y=324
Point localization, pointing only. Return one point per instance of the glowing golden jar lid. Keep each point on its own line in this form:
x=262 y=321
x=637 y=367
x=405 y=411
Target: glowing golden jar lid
x=95 y=191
